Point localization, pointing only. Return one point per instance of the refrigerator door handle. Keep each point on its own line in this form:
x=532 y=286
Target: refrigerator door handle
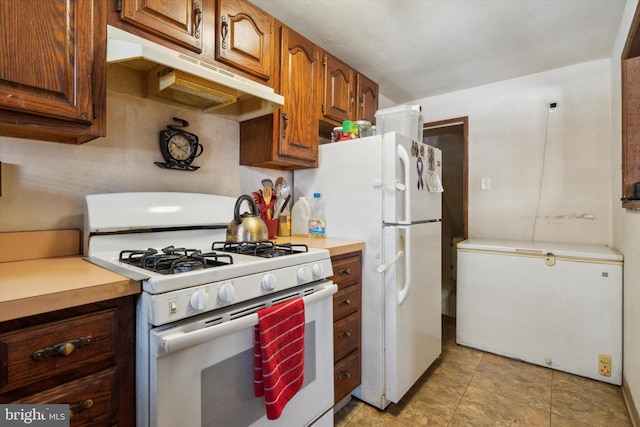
x=392 y=261
x=392 y=185
x=403 y=156
x=402 y=293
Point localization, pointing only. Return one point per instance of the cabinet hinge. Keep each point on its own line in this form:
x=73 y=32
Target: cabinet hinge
x=323 y=108
x=95 y=111
x=324 y=60
x=118 y=5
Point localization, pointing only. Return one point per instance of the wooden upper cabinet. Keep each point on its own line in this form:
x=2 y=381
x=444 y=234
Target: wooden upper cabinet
x=300 y=85
x=52 y=69
x=244 y=37
x=179 y=21
x=367 y=103
x=288 y=139
x=339 y=88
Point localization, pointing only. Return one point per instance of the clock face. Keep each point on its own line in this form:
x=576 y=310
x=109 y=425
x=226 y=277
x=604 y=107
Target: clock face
x=179 y=147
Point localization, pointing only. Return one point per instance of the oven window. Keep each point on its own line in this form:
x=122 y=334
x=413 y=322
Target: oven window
x=227 y=387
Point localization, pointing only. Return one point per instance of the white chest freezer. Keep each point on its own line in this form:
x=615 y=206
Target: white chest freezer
x=550 y=304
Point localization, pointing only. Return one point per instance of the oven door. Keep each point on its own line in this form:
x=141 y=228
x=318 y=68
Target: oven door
x=202 y=375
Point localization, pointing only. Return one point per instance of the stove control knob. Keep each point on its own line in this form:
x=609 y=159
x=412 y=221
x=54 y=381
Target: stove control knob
x=227 y=292
x=269 y=282
x=303 y=274
x=317 y=270
x=199 y=299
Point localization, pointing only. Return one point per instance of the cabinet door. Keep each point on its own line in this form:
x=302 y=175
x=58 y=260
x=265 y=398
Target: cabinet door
x=179 y=21
x=367 y=91
x=244 y=37
x=300 y=82
x=338 y=90
x=52 y=79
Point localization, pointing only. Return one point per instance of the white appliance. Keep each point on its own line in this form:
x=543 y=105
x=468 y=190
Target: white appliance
x=377 y=191
x=197 y=312
x=550 y=304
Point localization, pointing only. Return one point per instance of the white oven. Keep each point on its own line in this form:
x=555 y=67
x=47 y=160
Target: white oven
x=199 y=304
x=201 y=371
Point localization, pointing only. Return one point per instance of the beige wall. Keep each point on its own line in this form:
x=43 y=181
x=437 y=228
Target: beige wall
x=626 y=226
x=44 y=183
x=550 y=172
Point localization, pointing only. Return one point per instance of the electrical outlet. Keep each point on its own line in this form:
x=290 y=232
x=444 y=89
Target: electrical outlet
x=604 y=364
x=485 y=184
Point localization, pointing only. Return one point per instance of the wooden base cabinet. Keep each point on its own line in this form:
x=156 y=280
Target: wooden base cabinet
x=347 y=323
x=82 y=356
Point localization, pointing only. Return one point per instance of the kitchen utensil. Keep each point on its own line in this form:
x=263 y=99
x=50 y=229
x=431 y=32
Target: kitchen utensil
x=268 y=183
x=266 y=196
x=282 y=191
x=284 y=205
x=248 y=227
x=278 y=183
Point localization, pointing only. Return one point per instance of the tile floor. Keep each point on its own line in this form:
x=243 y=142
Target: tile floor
x=467 y=387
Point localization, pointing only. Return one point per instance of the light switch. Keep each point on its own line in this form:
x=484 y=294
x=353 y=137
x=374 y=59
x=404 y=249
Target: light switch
x=485 y=184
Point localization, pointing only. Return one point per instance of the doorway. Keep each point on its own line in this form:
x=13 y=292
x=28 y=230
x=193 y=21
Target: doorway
x=451 y=136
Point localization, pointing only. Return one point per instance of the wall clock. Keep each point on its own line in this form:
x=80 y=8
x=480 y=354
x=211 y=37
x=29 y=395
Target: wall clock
x=179 y=147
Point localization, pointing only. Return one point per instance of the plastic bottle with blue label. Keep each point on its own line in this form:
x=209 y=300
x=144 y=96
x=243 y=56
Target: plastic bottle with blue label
x=317 y=219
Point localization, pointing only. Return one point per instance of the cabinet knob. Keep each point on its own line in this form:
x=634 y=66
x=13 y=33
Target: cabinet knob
x=285 y=120
x=224 y=30
x=345 y=271
x=345 y=302
x=76 y=408
x=197 y=11
x=61 y=349
x=345 y=375
x=345 y=334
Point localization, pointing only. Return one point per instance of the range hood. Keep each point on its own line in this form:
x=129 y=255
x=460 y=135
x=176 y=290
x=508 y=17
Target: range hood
x=171 y=77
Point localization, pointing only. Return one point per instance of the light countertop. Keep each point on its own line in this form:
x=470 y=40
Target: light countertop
x=63 y=280
x=38 y=286
x=335 y=246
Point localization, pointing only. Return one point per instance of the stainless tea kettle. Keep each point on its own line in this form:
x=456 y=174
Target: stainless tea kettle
x=248 y=227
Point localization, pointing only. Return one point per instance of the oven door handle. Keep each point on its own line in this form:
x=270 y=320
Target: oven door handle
x=182 y=340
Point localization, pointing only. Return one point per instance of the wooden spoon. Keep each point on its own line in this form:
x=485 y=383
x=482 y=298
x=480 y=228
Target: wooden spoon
x=266 y=196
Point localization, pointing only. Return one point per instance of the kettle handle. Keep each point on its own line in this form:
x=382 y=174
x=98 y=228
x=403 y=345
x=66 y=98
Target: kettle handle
x=236 y=210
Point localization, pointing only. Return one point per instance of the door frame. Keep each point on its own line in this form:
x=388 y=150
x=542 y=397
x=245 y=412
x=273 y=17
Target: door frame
x=464 y=121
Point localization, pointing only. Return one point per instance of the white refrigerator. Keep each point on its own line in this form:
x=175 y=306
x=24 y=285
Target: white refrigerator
x=386 y=191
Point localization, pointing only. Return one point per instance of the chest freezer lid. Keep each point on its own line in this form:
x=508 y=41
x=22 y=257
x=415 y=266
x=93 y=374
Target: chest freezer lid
x=522 y=247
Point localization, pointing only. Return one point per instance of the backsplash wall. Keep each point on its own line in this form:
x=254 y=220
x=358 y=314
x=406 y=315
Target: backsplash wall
x=44 y=183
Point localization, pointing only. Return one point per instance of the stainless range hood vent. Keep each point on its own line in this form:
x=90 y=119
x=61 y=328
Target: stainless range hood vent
x=171 y=77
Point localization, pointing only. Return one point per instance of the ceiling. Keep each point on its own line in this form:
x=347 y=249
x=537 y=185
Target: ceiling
x=419 y=48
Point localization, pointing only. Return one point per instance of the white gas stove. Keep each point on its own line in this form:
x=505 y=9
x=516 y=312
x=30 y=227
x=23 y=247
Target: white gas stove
x=198 y=307
x=175 y=244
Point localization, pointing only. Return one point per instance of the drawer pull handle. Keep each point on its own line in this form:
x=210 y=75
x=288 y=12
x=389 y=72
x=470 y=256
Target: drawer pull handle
x=76 y=408
x=345 y=375
x=62 y=349
x=345 y=334
x=345 y=302
x=346 y=271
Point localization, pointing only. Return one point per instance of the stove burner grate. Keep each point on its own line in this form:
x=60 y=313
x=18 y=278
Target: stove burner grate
x=172 y=260
x=266 y=249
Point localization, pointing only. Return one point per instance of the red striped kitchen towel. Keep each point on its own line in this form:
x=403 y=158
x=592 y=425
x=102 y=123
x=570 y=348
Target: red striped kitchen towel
x=279 y=354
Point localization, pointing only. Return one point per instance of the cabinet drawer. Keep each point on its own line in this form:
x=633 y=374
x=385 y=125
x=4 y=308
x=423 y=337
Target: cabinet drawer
x=346 y=271
x=346 y=376
x=44 y=351
x=91 y=398
x=346 y=335
x=346 y=301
